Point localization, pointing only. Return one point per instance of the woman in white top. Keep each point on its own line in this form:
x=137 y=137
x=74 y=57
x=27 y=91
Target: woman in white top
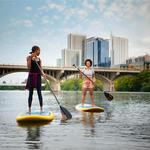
x=87 y=84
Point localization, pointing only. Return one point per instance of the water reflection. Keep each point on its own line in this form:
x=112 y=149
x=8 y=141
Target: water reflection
x=33 y=140
x=108 y=110
x=88 y=121
x=107 y=115
x=33 y=124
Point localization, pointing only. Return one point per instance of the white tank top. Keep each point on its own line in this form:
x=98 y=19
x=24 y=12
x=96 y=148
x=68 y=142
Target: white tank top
x=88 y=72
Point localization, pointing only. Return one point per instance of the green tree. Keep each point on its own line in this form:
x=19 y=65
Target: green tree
x=141 y=82
x=124 y=83
x=76 y=85
x=98 y=85
x=71 y=85
x=46 y=86
x=144 y=78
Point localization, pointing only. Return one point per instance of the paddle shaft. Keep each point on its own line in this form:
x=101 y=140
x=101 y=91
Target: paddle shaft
x=64 y=111
x=48 y=83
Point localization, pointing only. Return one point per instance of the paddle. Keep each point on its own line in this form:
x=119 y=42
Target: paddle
x=64 y=111
x=107 y=95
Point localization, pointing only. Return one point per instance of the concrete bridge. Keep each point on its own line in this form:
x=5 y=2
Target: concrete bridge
x=57 y=74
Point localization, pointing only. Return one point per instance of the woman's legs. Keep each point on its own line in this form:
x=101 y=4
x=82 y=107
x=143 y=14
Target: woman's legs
x=30 y=99
x=84 y=91
x=92 y=96
x=40 y=98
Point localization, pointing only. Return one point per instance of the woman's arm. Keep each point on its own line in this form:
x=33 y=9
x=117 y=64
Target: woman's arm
x=29 y=58
x=42 y=73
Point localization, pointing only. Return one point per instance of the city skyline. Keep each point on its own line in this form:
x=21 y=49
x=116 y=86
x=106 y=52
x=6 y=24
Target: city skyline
x=47 y=23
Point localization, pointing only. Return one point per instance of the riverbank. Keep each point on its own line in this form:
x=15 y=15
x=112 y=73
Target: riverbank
x=22 y=88
x=14 y=87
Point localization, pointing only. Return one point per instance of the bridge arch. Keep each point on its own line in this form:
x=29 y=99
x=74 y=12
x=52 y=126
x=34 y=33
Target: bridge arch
x=106 y=82
x=11 y=72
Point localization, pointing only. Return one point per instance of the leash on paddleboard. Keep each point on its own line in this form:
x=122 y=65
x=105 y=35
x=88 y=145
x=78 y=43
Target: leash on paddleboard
x=64 y=111
x=107 y=95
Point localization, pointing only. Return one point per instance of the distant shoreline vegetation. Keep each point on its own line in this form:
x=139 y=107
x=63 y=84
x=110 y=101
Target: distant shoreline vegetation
x=138 y=83
x=12 y=87
x=76 y=85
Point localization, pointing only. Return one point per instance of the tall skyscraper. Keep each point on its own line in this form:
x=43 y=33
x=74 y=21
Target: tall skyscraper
x=97 y=49
x=77 y=42
x=70 y=57
x=58 y=61
x=118 y=50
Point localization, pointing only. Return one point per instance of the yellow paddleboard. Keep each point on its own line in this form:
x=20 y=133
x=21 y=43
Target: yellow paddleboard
x=89 y=108
x=35 y=117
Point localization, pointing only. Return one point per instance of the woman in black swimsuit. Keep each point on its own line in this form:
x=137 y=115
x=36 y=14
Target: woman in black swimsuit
x=34 y=77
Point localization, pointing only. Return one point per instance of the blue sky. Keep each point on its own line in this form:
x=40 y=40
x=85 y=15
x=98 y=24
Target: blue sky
x=47 y=23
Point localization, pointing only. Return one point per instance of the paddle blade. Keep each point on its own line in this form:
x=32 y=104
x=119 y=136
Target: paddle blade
x=65 y=112
x=108 y=96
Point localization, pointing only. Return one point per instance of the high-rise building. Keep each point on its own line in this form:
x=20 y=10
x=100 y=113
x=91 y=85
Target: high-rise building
x=97 y=49
x=118 y=50
x=77 y=42
x=140 y=62
x=70 y=57
x=58 y=61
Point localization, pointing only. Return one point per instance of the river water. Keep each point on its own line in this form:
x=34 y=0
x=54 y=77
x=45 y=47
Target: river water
x=124 y=125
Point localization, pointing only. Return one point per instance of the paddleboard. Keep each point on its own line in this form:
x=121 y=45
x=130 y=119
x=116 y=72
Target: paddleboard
x=89 y=108
x=35 y=117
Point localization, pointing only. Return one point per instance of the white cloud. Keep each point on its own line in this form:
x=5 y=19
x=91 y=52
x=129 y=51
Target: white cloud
x=88 y=5
x=102 y=5
x=28 y=8
x=55 y=17
x=144 y=10
x=124 y=9
x=45 y=20
x=82 y=14
x=22 y=22
x=27 y=23
x=146 y=40
x=59 y=7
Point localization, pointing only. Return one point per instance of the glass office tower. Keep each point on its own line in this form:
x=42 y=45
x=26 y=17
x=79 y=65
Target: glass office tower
x=97 y=49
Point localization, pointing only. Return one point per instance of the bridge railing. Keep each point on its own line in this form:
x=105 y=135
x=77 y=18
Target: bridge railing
x=115 y=69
